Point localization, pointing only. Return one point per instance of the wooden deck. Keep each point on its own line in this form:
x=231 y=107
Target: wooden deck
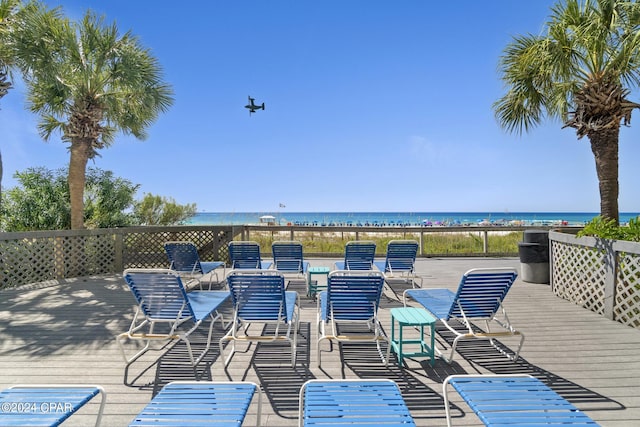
x=65 y=333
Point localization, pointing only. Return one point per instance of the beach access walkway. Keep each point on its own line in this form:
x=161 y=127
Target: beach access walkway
x=64 y=332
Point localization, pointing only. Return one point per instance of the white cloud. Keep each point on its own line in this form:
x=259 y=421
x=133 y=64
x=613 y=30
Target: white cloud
x=423 y=150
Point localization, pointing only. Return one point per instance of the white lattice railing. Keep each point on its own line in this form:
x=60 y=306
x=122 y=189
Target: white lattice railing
x=599 y=274
x=37 y=256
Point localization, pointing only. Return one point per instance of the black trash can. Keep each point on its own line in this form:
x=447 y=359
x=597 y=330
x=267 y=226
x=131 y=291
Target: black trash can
x=534 y=256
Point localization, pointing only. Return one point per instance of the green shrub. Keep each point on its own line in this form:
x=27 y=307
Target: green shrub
x=608 y=229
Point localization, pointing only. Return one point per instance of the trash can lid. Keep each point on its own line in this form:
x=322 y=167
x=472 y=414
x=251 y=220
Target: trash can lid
x=536 y=236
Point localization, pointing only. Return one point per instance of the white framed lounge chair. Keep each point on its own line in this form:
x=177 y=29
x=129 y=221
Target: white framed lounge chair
x=199 y=403
x=46 y=404
x=184 y=258
x=162 y=299
x=288 y=258
x=400 y=262
x=351 y=297
x=259 y=296
x=358 y=255
x=513 y=400
x=479 y=298
x=357 y=402
x=245 y=254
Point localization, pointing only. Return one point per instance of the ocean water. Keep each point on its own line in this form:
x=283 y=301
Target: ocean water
x=398 y=218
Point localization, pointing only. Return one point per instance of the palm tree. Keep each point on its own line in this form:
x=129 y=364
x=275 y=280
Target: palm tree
x=11 y=12
x=89 y=83
x=581 y=72
x=8 y=10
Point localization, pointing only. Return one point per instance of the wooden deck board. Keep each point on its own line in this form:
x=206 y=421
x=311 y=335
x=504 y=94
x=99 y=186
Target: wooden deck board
x=65 y=333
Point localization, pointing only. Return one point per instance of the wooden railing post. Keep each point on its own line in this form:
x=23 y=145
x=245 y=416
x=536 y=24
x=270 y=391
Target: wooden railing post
x=485 y=242
x=611 y=272
x=118 y=256
x=59 y=257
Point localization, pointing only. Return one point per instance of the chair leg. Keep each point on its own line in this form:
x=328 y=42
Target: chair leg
x=221 y=347
x=227 y=337
x=217 y=316
x=189 y=350
x=380 y=353
x=130 y=335
x=211 y=274
x=453 y=349
x=208 y=346
x=513 y=357
x=414 y=281
x=321 y=337
x=380 y=336
x=185 y=337
x=294 y=344
x=120 y=339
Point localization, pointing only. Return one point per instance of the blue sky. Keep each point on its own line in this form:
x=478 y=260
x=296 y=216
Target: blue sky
x=370 y=106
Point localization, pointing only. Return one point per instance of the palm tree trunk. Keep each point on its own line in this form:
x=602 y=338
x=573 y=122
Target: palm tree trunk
x=0 y=182
x=80 y=150
x=5 y=85
x=604 y=145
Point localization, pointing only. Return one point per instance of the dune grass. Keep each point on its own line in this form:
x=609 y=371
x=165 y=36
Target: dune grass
x=434 y=243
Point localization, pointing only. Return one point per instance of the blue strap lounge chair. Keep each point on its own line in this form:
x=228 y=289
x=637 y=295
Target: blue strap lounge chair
x=184 y=258
x=479 y=298
x=199 y=403
x=338 y=403
x=358 y=255
x=162 y=299
x=259 y=296
x=246 y=255
x=351 y=297
x=46 y=404
x=400 y=261
x=288 y=258
x=513 y=400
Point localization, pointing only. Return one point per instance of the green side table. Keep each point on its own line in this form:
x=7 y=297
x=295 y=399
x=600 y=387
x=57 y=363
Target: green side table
x=312 y=285
x=412 y=316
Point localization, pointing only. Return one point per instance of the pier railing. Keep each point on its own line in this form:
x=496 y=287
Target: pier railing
x=29 y=257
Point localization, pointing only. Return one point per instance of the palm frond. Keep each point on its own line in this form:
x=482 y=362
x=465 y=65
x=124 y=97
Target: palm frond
x=88 y=65
x=586 y=41
x=48 y=125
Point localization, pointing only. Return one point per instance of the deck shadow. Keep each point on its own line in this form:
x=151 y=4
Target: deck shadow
x=173 y=363
x=363 y=360
x=272 y=365
x=482 y=354
x=394 y=289
x=70 y=315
